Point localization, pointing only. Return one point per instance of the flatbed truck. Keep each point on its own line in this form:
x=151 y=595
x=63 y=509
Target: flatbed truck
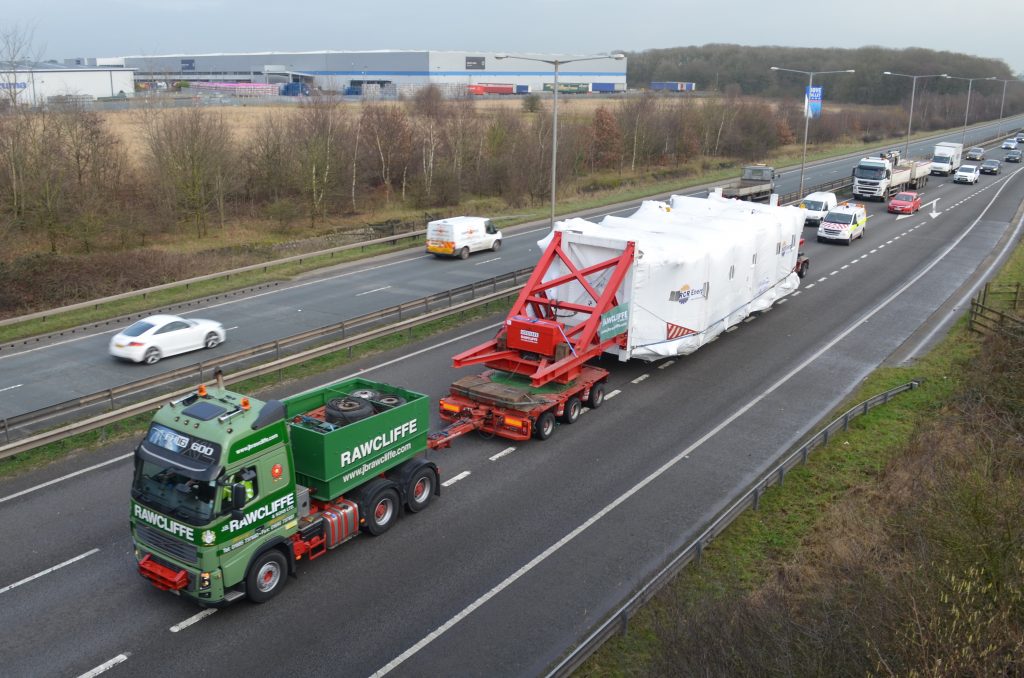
x=230 y=492
x=756 y=182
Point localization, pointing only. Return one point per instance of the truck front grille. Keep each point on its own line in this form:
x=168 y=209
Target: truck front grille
x=166 y=543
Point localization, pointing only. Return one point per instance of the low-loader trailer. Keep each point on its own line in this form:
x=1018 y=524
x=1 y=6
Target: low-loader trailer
x=230 y=492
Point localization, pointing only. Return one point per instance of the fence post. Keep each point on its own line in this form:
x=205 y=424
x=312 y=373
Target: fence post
x=846 y=421
x=757 y=497
x=7 y=431
x=782 y=475
x=110 y=395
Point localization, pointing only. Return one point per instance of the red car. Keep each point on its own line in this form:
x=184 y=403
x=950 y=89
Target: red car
x=907 y=202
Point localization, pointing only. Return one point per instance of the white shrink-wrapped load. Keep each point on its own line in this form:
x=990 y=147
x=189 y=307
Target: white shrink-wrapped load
x=697 y=271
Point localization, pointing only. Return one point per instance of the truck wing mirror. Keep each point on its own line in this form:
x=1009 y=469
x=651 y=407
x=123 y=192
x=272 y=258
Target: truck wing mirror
x=237 y=497
x=272 y=411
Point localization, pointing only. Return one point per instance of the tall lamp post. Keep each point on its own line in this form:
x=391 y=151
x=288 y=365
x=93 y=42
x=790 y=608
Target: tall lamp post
x=913 y=91
x=967 y=109
x=556 y=63
x=807 y=113
x=1002 y=103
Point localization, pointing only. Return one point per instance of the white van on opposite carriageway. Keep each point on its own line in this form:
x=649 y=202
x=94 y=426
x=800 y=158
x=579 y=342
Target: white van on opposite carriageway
x=458 y=236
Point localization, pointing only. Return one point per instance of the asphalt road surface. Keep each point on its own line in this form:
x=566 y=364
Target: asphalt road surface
x=530 y=544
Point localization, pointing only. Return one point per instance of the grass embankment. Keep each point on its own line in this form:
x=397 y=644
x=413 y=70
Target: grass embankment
x=898 y=550
x=596 y=192
x=133 y=428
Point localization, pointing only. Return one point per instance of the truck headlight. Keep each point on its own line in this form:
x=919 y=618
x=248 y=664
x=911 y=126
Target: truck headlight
x=204 y=580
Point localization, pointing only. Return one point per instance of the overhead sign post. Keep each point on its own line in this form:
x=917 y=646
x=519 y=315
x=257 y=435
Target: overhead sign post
x=812 y=101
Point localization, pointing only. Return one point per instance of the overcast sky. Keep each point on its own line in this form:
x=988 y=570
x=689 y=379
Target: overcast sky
x=73 y=28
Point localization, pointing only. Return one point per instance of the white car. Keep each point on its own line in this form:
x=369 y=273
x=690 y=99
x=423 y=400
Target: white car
x=967 y=174
x=1010 y=144
x=159 y=336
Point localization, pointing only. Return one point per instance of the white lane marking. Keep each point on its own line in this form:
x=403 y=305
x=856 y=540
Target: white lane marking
x=454 y=479
x=813 y=284
x=622 y=498
x=231 y=328
x=609 y=396
x=11 y=388
x=844 y=267
x=881 y=246
x=750 y=318
x=641 y=378
x=105 y=666
x=584 y=410
x=66 y=477
x=782 y=301
x=504 y=453
x=855 y=260
x=834 y=273
x=887 y=242
x=863 y=256
x=487 y=261
x=379 y=289
x=823 y=278
x=873 y=251
x=795 y=293
x=48 y=570
x=199 y=616
x=897 y=238
x=666 y=364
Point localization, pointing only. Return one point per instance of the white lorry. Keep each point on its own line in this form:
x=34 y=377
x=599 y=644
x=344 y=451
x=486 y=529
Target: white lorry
x=883 y=176
x=946 y=158
x=458 y=236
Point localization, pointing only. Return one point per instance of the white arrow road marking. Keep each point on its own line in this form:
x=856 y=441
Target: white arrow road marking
x=934 y=203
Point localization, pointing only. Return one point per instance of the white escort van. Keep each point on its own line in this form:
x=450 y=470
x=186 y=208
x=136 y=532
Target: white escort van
x=458 y=236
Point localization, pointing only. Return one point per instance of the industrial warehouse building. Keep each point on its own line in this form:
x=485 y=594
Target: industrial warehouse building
x=387 y=72
x=38 y=83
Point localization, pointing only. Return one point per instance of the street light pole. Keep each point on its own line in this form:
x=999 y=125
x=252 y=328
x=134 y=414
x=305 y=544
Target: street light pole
x=807 y=112
x=967 y=108
x=913 y=91
x=555 y=64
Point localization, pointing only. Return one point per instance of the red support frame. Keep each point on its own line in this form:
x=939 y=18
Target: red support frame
x=533 y=302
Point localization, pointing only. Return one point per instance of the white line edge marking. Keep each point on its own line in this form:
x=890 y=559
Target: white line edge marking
x=11 y=388
x=546 y=553
x=65 y=477
x=106 y=666
x=609 y=396
x=454 y=479
x=379 y=289
x=199 y=616
x=47 y=571
x=504 y=453
x=487 y=261
x=641 y=378
x=228 y=329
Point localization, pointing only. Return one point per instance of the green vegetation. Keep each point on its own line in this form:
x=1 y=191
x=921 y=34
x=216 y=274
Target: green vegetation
x=898 y=549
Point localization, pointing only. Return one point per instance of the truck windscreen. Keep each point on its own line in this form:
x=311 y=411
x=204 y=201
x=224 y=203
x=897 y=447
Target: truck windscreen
x=165 y=490
x=869 y=172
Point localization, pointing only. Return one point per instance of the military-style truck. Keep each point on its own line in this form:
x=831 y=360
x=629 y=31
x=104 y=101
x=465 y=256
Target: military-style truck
x=756 y=182
x=229 y=492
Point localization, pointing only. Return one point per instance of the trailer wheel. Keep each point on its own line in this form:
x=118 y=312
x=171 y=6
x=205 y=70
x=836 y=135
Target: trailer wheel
x=464 y=253
x=266 y=577
x=571 y=411
x=420 y=489
x=383 y=511
x=596 y=398
x=544 y=426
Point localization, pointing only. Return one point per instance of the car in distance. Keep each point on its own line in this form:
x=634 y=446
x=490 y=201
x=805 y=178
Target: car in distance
x=1013 y=156
x=1020 y=137
x=976 y=153
x=967 y=174
x=159 y=336
x=907 y=202
x=990 y=167
x=1010 y=144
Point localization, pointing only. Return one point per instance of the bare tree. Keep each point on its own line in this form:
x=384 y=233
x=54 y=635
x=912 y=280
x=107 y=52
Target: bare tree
x=16 y=52
x=390 y=136
x=314 y=135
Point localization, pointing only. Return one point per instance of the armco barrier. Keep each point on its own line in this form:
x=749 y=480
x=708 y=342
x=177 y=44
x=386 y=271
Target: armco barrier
x=402 y=317
x=618 y=621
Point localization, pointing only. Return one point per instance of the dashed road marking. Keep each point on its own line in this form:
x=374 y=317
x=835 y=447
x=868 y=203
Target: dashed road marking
x=641 y=378
x=504 y=453
x=666 y=364
x=48 y=570
x=10 y=388
x=844 y=267
x=873 y=251
x=796 y=293
x=863 y=256
x=105 y=666
x=198 y=617
x=379 y=289
x=822 y=278
x=609 y=396
x=487 y=261
x=834 y=273
x=454 y=479
x=781 y=301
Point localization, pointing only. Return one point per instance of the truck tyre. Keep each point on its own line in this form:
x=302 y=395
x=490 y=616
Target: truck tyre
x=389 y=401
x=464 y=253
x=496 y=246
x=347 y=410
x=212 y=340
x=420 y=489
x=596 y=397
x=382 y=511
x=266 y=577
x=544 y=426
x=366 y=394
x=152 y=356
x=571 y=411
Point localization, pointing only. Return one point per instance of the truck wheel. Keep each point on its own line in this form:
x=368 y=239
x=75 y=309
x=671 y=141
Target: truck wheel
x=420 y=489
x=571 y=411
x=464 y=253
x=544 y=426
x=382 y=511
x=496 y=246
x=266 y=577
x=212 y=340
x=347 y=410
x=596 y=397
x=366 y=394
x=389 y=401
x=152 y=356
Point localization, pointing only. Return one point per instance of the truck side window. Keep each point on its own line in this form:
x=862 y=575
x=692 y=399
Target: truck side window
x=247 y=477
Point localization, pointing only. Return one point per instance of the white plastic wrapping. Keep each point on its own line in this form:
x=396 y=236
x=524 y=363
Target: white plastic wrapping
x=700 y=267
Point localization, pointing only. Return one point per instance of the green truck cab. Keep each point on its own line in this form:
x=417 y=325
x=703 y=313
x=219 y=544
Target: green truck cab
x=229 y=492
